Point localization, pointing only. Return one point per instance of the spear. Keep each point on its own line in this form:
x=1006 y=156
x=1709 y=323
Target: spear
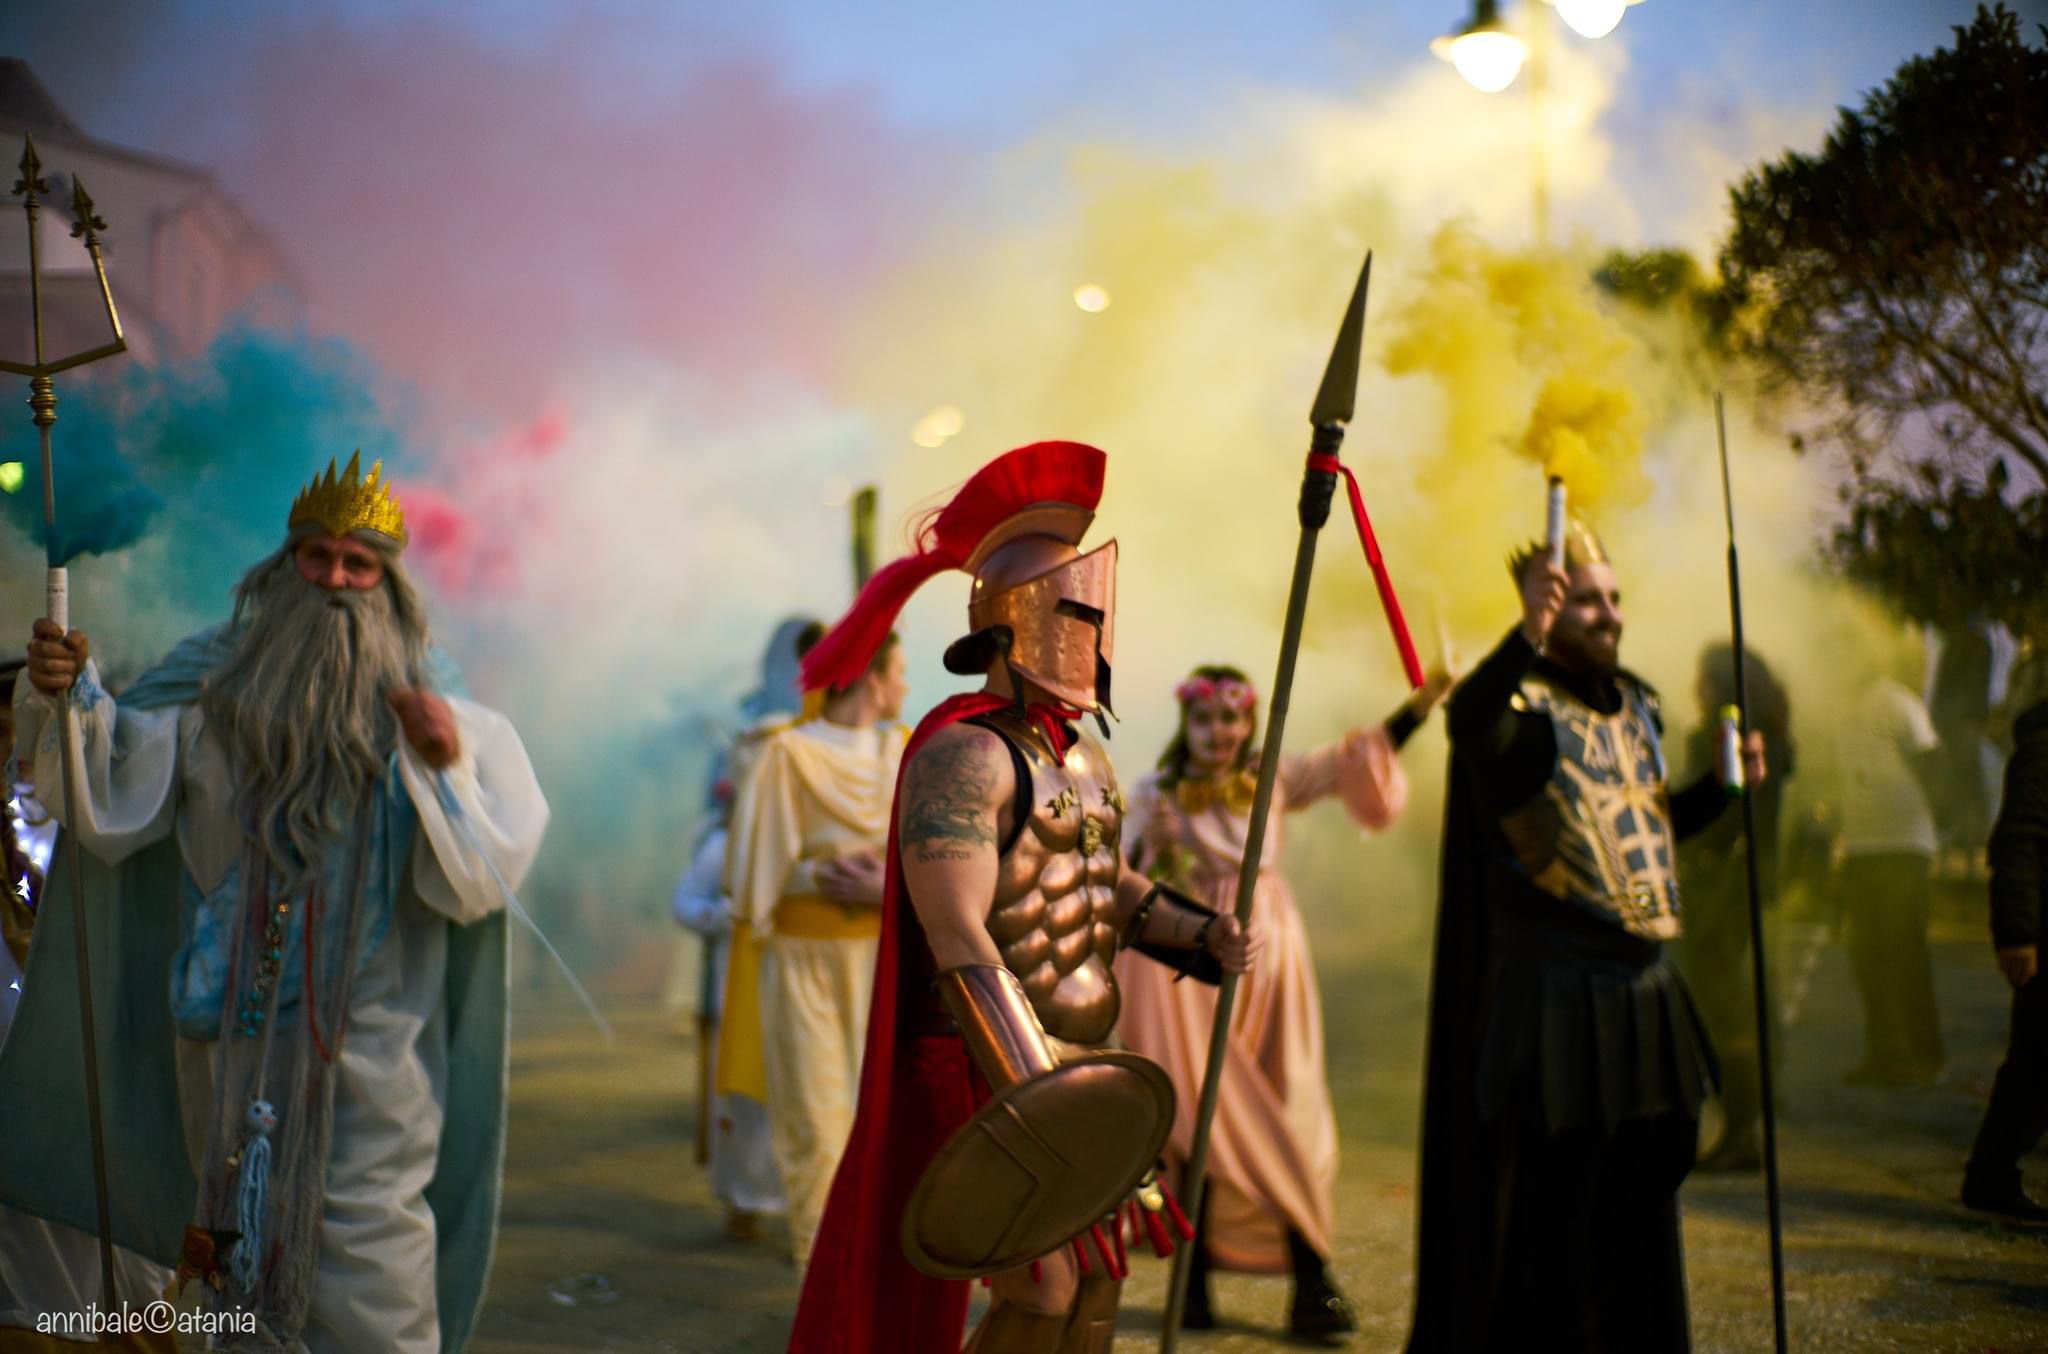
x=42 y=403
x=863 y=536
x=1772 y=1198
x=1335 y=403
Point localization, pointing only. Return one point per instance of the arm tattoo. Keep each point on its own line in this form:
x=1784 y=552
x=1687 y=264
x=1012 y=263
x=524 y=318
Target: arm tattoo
x=946 y=799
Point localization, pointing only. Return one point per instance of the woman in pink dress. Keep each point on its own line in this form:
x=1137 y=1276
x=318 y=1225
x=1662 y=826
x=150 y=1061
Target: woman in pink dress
x=1271 y=1204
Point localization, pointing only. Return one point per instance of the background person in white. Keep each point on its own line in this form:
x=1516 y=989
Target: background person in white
x=1888 y=759
x=809 y=824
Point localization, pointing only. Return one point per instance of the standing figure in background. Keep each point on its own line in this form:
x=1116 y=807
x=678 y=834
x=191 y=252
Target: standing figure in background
x=25 y=845
x=733 y=1080
x=1890 y=760
x=1714 y=864
x=810 y=819
x=296 y=830
x=741 y=1154
x=1270 y=1205
x=1959 y=706
x=2017 y=1116
x=1566 y=1066
x=47 y=1269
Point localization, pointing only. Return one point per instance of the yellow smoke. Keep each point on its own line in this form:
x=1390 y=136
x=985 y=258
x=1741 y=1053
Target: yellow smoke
x=1531 y=365
x=1487 y=365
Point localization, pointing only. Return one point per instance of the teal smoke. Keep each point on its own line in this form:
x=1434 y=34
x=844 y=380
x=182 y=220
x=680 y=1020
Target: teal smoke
x=212 y=448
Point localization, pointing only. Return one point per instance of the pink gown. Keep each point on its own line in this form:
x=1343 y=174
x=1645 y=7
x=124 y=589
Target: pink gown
x=1273 y=1149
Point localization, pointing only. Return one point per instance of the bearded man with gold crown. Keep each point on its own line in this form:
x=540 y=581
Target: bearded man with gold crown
x=299 y=838
x=1567 y=1064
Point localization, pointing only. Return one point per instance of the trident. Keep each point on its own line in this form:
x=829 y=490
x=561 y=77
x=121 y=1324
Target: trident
x=42 y=401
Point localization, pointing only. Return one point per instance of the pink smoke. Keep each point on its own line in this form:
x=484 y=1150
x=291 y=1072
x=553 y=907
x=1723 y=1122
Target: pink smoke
x=472 y=527
x=489 y=220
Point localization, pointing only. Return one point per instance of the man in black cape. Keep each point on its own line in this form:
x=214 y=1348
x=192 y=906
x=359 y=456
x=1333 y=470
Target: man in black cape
x=1566 y=1062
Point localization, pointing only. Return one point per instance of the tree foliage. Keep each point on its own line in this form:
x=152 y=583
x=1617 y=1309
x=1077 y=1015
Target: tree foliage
x=1898 y=281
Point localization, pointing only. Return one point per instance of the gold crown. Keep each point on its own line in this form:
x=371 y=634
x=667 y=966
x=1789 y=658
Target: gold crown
x=350 y=503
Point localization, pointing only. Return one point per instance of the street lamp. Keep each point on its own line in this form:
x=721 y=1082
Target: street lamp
x=1490 y=55
x=1484 y=51
x=1592 y=18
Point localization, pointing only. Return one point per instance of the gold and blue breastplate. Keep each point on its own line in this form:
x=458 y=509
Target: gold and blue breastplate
x=1600 y=833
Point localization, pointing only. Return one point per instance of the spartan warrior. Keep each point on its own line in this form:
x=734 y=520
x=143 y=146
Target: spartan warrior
x=1001 y=1131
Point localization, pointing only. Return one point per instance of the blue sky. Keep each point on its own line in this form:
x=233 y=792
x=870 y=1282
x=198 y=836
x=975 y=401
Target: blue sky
x=991 y=74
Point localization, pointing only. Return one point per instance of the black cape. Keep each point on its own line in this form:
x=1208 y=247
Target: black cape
x=1543 y=1016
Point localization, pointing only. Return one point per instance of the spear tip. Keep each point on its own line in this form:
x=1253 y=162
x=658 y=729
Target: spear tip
x=1337 y=399
x=31 y=181
x=85 y=221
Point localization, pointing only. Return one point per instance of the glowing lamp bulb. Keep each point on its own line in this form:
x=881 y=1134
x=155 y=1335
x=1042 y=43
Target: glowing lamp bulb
x=1591 y=18
x=1489 y=60
x=1092 y=298
x=10 y=477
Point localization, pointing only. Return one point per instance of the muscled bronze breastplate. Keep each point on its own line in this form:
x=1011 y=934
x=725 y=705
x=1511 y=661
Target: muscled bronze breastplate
x=1054 y=918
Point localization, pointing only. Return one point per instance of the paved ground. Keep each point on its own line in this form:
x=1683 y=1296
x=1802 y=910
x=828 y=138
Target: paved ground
x=612 y=1242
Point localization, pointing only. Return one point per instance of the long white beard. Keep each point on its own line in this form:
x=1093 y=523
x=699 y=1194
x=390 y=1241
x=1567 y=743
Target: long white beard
x=300 y=704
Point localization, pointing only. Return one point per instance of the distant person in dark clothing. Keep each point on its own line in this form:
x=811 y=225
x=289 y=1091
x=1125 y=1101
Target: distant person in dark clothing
x=2017 y=1116
x=1960 y=705
x=1714 y=954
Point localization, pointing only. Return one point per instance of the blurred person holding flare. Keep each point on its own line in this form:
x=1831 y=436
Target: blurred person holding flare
x=1566 y=1063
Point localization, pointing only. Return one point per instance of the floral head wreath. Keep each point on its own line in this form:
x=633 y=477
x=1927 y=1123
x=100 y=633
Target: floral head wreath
x=1234 y=694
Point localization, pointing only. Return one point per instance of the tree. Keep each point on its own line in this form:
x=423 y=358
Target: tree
x=1897 y=281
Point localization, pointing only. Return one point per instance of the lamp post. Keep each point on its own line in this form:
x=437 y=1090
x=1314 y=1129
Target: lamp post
x=1490 y=54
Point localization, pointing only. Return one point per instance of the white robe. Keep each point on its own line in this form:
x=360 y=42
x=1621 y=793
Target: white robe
x=152 y=773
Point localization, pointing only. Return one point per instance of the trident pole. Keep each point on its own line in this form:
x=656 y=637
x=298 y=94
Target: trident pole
x=1335 y=403
x=42 y=403
x=1772 y=1199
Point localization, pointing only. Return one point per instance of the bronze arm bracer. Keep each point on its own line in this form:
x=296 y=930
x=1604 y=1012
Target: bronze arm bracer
x=1194 y=961
x=995 y=1018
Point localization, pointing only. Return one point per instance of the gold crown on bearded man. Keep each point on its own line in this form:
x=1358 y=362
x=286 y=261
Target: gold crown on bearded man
x=1581 y=547
x=349 y=503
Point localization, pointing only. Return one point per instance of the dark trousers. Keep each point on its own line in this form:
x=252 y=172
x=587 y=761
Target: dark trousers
x=1885 y=902
x=2017 y=1116
x=1594 y=1260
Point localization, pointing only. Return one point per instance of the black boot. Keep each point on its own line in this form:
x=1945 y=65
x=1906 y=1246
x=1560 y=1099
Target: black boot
x=2001 y=1193
x=1319 y=1312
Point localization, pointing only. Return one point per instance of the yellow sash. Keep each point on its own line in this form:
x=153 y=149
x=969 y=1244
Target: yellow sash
x=742 y=1066
x=806 y=916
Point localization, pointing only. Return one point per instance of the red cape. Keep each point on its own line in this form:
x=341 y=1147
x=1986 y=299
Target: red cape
x=861 y=1296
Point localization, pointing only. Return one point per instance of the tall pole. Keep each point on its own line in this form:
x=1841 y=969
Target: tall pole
x=1772 y=1198
x=1334 y=406
x=1541 y=33
x=863 y=536
x=42 y=403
